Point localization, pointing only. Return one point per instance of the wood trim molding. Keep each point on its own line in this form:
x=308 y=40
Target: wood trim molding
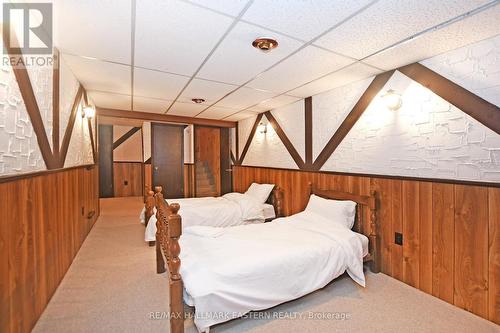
x=158 y=117
x=69 y=128
x=308 y=122
x=14 y=177
x=284 y=138
x=434 y=180
x=378 y=83
x=125 y=137
x=483 y=111
x=55 y=104
x=250 y=138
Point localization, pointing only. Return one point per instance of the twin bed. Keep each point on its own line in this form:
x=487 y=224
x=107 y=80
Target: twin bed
x=227 y=272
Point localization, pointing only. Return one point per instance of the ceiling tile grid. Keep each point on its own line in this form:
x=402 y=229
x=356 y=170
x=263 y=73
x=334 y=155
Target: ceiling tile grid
x=236 y=61
x=175 y=36
x=319 y=42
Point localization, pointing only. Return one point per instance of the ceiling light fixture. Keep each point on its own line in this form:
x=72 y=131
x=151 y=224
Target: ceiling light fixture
x=393 y=100
x=88 y=112
x=198 y=100
x=265 y=44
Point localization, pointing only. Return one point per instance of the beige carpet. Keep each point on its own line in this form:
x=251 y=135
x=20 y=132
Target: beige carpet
x=112 y=287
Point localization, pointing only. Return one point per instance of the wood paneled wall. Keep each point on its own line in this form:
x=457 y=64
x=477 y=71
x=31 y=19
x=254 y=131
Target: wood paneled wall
x=451 y=236
x=44 y=221
x=128 y=179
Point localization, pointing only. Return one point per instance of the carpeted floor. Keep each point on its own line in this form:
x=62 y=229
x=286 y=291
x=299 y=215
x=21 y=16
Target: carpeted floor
x=112 y=287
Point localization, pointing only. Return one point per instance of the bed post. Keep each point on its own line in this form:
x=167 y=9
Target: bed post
x=161 y=222
x=174 y=249
x=278 y=201
x=149 y=205
x=375 y=265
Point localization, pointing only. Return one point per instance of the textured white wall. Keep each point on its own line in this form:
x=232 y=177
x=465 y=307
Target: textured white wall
x=131 y=149
x=267 y=150
x=427 y=137
x=79 y=150
x=291 y=120
x=331 y=108
x=146 y=140
x=19 y=150
x=189 y=144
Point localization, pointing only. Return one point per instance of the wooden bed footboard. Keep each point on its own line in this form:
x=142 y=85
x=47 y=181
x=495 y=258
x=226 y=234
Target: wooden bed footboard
x=366 y=207
x=169 y=230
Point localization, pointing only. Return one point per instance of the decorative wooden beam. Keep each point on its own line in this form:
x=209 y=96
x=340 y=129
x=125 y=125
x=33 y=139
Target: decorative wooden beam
x=125 y=137
x=29 y=98
x=163 y=118
x=378 y=83
x=250 y=138
x=483 y=111
x=288 y=144
x=69 y=128
x=55 y=104
x=308 y=121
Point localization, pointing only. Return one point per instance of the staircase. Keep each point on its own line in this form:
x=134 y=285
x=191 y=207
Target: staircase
x=205 y=182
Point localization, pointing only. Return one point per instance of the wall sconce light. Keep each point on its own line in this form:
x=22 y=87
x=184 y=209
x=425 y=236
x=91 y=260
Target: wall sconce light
x=262 y=128
x=88 y=112
x=392 y=100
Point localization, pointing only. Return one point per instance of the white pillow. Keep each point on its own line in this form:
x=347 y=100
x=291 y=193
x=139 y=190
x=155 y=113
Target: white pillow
x=339 y=211
x=260 y=191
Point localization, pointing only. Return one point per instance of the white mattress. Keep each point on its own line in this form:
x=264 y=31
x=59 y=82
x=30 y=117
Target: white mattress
x=225 y=273
x=268 y=211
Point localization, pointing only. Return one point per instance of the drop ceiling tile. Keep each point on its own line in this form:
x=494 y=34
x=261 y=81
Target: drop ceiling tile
x=304 y=66
x=391 y=21
x=301 y=19
x=240 y=116
x=186 y=109
x=208 y=90
x=150 y=104
x=148 y=83
x=176 y=36
x=217 y=112
x=245 y=97
x=467 y=31
x=352 y=73
x=110 y=100
x=100 y=75
x=94 y=28
x=229 y=7
x=274 y=103
x=237 y=61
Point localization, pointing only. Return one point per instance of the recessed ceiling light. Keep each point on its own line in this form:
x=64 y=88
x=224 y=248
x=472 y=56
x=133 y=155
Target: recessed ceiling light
x=265 y=44
x=198 y=100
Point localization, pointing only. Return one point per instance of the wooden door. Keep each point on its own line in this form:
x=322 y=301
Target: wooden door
x=167 y=158
x=226 y=174
x=207 y=161
x=211 y=155
x=106 y=188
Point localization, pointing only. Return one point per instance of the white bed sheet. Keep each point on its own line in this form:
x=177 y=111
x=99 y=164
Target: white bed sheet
x=229 y=272
x=229 y=210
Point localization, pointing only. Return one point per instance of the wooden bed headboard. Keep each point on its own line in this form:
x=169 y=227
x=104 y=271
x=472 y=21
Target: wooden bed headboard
x=365 y=204
x=276 y=199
